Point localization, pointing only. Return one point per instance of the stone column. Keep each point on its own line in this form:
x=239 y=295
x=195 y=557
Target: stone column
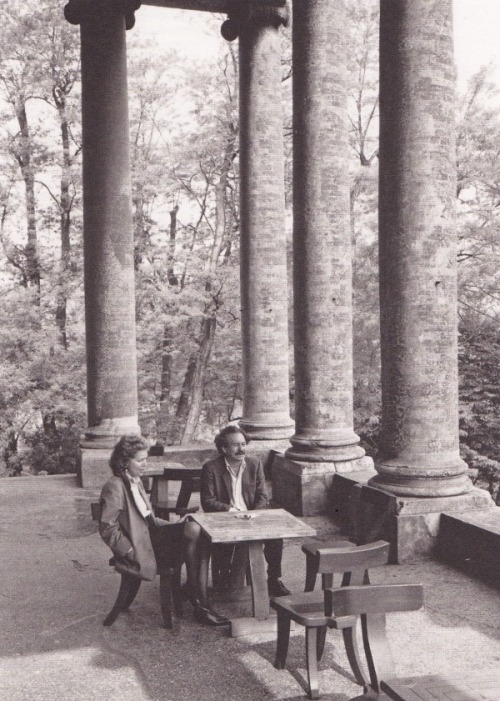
x=264 y=308
x=322 y=237
x=419 y=454
x=107 y=217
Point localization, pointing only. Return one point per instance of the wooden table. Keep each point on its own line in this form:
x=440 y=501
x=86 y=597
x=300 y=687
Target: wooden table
x=476 y=686
x=263 y=524
x=165 y=473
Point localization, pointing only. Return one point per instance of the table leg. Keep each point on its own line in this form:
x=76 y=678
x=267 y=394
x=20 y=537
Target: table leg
x=258 y=581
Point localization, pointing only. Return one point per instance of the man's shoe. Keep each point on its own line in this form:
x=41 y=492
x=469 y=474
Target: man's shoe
x=275 y=587
x=205 y=614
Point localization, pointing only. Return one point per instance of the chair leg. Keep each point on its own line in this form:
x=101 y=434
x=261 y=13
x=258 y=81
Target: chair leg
x=320 y=642
x=134 y=588
x=239 y=567
x=177 y=590
x=221 y=566
x=126 y=585
x=311 y=572
x=282 y=639
x=166 y=598
x=353 y=655
x=312 y=662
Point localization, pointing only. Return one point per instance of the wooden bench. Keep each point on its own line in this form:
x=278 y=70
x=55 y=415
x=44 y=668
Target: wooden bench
x=170 y=588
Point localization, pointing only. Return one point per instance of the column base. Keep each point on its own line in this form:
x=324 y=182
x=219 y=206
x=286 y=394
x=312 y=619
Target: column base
x=268 y=431
x=94 y=469
x=410 y=524
x=304 y=488
x=328 y=447
x=441 y=475
x=113 y=428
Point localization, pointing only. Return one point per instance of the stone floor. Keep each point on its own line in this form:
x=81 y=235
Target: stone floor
x=57 y=587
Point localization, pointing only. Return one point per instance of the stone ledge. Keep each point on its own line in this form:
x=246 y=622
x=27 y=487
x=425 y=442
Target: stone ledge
x=95 y=470
x=410 y=524
x=471 y=542
x=306 y=488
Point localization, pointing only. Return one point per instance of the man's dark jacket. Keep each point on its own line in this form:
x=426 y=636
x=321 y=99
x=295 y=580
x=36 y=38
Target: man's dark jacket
x=216 y=485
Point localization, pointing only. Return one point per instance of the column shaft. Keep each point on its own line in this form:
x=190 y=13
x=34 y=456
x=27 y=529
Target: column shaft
x=108 y=233
x=264 y=316
x=418 y=290
x=322 y=237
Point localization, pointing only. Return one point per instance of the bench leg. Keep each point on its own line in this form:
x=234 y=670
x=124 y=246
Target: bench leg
x=282 y=639
x=128 y=585
x=312 y=662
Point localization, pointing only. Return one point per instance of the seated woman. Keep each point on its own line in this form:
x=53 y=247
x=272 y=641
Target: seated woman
x=139 y=539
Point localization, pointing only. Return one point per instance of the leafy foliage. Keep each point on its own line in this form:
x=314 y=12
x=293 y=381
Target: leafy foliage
x=184 y=146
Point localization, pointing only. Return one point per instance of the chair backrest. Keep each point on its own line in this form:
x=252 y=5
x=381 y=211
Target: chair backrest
x=353 y=558
x=352 y=562
x=372 y=603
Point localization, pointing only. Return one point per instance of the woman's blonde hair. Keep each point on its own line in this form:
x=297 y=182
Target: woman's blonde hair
x=127 y=447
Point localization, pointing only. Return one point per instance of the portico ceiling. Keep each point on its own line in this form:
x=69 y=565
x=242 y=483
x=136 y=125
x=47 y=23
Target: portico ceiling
x=223 y=6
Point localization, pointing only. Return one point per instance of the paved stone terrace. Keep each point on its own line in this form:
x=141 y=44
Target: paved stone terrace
x=57 y=587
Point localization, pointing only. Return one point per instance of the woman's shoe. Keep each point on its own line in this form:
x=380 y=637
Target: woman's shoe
x=206 y=614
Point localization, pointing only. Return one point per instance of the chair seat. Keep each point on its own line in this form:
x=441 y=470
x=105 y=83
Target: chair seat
x=307 y=608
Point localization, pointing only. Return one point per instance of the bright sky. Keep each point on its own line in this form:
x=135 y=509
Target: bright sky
x=476 y=22
x=477 y=25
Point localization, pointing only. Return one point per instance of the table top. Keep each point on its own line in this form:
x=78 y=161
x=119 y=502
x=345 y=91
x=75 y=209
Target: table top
x=475 y=686
x=260 y=524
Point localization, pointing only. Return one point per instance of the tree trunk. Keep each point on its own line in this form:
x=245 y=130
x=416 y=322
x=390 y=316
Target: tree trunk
x=207 y=335
x=65 y=224
x=191 y=399
x=163 y=421
x=176 y=427
x=24 y=160
x=171 y=276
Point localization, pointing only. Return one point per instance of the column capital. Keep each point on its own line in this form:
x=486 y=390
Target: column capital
x=77 y=11
x=265 y=15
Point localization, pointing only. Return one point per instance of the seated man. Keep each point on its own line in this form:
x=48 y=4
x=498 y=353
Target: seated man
x=233 y=482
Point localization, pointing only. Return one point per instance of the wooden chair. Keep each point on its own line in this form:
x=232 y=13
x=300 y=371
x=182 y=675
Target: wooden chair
x=308 y=609
x=372 y=604
x=162 y=506
x=170 y=587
